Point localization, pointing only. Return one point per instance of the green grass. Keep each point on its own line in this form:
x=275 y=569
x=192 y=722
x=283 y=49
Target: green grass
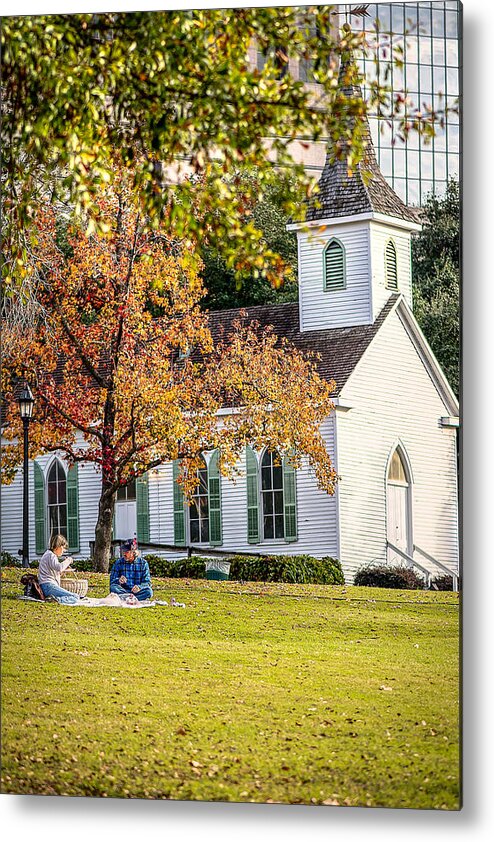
x=279 y=693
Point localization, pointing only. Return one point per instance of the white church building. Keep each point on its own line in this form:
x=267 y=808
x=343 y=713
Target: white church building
x=392 y=435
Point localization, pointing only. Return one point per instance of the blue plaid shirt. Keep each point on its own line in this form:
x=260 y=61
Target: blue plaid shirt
x=136 y=572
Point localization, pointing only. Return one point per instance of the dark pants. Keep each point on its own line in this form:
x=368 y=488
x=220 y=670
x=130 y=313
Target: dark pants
x=146 y=591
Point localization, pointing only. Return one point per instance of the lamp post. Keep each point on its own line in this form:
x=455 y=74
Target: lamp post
x=26 y=403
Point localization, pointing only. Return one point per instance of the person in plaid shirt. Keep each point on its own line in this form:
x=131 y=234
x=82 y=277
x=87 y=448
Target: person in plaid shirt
x=130 y=573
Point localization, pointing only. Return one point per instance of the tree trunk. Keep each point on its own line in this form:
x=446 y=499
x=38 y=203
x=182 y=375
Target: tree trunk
x=102 y=544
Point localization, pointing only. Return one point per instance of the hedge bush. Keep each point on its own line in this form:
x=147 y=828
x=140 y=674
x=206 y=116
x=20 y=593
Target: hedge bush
x=442 y=583
x=9 y=560
x=301 y=569
x=84 y=565
x=185 y=568
x=388 y=576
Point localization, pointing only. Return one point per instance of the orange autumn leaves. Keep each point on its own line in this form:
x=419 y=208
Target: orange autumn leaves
x=125 y=357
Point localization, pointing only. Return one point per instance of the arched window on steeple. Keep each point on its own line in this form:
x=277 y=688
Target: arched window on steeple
x=390 y=265
x=334 y=266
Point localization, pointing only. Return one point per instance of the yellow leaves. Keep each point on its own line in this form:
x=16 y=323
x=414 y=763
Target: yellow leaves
x=120 y=308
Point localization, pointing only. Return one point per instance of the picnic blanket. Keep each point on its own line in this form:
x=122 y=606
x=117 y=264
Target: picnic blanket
x=112 y=601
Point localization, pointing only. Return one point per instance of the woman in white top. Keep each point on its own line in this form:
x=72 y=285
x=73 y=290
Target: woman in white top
x=50 y=568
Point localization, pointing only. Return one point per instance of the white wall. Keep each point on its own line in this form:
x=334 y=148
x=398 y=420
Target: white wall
x=404 y=404
x=379 y=236
x=11 y=507
x=323 y=309
x=316 y=512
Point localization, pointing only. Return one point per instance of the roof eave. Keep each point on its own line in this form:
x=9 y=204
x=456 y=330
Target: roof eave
x=395 y=221
x=439 y=378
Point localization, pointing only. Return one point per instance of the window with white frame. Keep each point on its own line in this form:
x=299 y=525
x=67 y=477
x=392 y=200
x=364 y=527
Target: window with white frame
x=199 y=509
x=272 y=495
x=57 y=499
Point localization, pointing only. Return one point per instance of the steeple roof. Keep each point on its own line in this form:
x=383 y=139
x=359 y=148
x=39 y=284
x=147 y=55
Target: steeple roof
x=341 y=194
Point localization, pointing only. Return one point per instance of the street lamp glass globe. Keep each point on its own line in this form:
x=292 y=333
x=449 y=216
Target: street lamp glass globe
x=26 y=402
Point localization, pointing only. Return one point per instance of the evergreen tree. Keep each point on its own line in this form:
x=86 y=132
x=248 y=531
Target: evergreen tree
x=436 y=279
x=226 y=288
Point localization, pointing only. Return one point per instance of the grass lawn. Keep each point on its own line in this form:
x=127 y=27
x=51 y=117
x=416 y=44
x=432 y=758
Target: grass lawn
x=278 y=693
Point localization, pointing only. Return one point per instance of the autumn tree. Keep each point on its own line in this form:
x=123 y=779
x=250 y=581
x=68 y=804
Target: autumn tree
x=175 y=91
x=127 y=390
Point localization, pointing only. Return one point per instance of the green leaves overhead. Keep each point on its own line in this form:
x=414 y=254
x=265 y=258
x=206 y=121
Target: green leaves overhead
x=176 y=92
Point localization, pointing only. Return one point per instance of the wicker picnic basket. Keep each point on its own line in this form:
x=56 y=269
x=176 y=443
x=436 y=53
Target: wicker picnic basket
x=75 y=585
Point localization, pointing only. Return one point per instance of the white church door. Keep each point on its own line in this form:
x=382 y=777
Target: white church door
x=126 y=513
x=398 y=508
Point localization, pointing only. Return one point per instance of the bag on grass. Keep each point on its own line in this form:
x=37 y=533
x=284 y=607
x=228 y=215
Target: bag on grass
x=32 y=587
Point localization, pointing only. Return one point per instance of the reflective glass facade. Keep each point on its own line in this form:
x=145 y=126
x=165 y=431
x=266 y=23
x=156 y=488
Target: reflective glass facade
x=430 y=34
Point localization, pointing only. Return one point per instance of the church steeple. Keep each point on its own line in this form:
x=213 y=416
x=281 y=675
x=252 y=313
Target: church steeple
x=366 y=189
x=355 y=245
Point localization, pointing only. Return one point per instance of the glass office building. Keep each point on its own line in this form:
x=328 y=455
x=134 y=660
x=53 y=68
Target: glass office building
x=430 y=34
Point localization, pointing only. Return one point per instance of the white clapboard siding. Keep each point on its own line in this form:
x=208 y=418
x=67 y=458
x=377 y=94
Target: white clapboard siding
x=89 y=481
x=380 y=235
x=11 y=513
x=161 y=505
x=316 y=513
x=394 y=400
x=320 y=308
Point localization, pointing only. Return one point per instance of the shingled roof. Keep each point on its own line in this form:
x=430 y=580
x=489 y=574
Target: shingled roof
x=341 y=194
x=339 y=349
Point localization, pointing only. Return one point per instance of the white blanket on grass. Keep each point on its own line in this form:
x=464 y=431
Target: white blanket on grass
x=112 y=601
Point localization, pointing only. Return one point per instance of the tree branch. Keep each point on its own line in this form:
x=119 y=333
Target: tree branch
x=90 y=431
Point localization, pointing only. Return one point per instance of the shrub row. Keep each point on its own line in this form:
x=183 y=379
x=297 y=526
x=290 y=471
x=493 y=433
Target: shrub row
x=185 y=568
x=400 y=577
x=442 y=583
x=9 y=560
x=388 y=576
x=302 y=569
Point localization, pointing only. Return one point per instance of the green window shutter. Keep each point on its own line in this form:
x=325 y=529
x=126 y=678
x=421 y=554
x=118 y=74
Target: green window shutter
x=142 y=507
x=290 y=500
x=391 y=267
x=39 y=510
x=178 y=508
x=214 y=487
x=252 y=497
x=334 y=266
x=73 y=508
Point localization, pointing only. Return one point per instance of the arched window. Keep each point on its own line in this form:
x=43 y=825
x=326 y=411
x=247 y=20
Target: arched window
x=57 y=500
x=391 y=267
x=396 y=471
x=199 y=509
x=272 y=495
x=334 y=266
x=399 y=528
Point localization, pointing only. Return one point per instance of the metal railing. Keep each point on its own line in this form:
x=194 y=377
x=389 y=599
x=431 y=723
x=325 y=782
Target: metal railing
x=439 y=564
x=427 y=573
x=188 y=550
